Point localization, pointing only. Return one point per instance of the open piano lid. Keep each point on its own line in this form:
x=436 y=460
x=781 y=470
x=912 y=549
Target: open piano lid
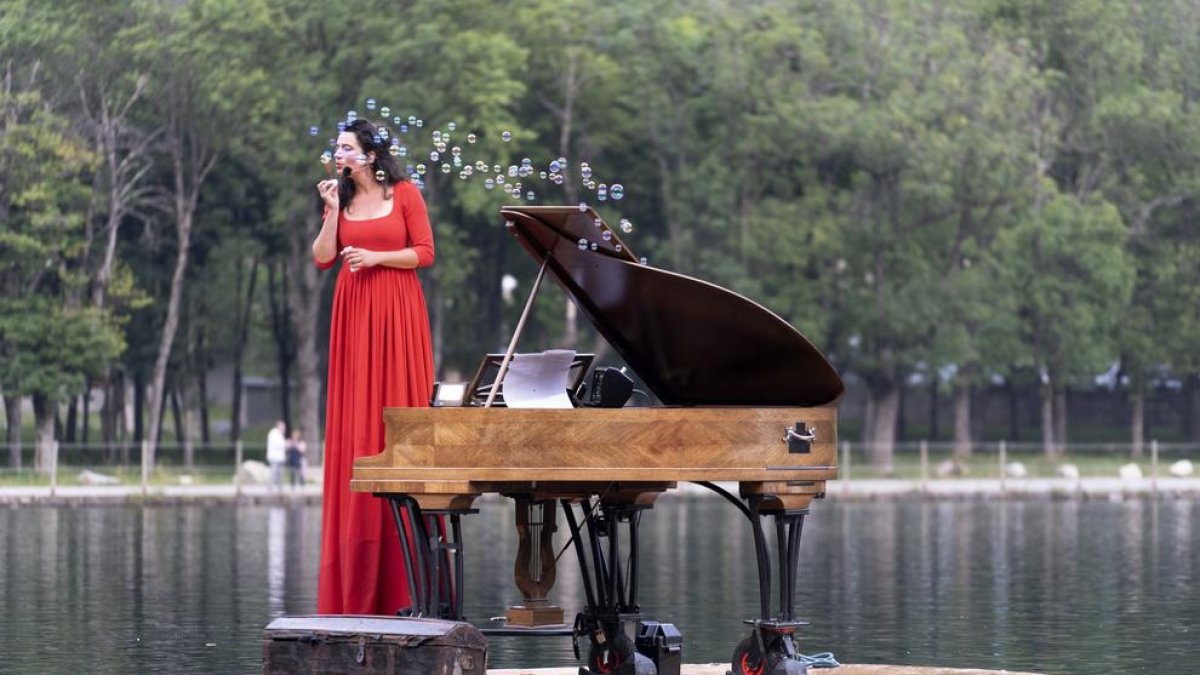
x=691 y=342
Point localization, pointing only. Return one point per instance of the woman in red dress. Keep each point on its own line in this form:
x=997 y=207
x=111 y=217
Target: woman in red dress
x=379 y=356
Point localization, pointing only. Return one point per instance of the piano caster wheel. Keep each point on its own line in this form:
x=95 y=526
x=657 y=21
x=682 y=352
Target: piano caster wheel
x=622 y=659
x=747 y=660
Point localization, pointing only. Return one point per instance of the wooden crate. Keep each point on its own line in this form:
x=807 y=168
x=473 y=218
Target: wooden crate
x=371 y=645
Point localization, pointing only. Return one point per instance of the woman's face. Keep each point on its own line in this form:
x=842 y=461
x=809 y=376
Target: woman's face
x=349 y=153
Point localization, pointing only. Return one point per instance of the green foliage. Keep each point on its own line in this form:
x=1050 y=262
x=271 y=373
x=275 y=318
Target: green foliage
x=980 y=188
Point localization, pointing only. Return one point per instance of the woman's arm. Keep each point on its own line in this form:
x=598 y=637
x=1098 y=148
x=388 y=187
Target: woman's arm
x=405 y=258
x=324 y=247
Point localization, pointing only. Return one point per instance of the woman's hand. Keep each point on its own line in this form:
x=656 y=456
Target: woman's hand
x=328 y=189
x=358 y=258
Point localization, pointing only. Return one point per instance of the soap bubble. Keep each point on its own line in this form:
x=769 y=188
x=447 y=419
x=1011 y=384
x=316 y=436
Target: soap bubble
x=506 y=136
x=420 y=122
x=512 y=171
x=434 y=156
x=617 y=192
x=583 y=244
x=582 y=207
x=437 y=136
x=488 y=183
x=440 y=145
x=385 y=111
x=542 y=175
x=480 y=165
x=471 y=138
x=595 y=246
x=394 y=150
x=384 y=133
x=412 y=119
x=313 y=131
x=558 y=179
x=351 y=115
x=468 y=170
x=456 y=151
x=530 y=196
x=446 y=168
x=420 y=169
x=618 y=248
x=404 y=128
x=626 y=226
x=496 y=168
x=403 y=151
x=380 y=175
x=606 y=235
x=370 y=104
x=585 y=170
x=555 y=167
x=451 y=126
x=499 y=179
x=326 y=157
x=598 y=223
x=642 y=260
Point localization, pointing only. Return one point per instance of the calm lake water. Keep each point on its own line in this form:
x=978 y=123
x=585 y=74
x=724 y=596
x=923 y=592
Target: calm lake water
x=1052 y=586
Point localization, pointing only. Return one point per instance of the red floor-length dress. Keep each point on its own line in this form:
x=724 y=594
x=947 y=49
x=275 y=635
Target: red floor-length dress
x=379 y=356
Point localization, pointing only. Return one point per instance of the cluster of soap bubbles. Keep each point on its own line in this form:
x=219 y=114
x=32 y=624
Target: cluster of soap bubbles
x=442 y=151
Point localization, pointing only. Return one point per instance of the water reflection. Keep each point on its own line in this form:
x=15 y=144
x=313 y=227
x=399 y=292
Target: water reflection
x=1064 y=586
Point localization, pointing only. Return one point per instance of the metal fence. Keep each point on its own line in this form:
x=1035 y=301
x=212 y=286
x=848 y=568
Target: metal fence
x=925 y=462
x=101 y=464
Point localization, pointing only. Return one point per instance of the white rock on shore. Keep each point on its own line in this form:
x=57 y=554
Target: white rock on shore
x=254 y=472
x=1131 y=471
x=1069 y=471
x=89 y=477
x=1181 y=469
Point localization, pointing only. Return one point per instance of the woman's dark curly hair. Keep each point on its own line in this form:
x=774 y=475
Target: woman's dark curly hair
x=370 y=140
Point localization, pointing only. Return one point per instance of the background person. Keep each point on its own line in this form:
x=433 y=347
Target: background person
x=277 y=453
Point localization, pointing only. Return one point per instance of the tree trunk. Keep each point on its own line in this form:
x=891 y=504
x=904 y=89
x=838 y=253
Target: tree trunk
x=1047 y=396
x=12 y=416
x=1189 y=420
x=85 y=414
x=282 y=332
x=139 y=407
x=962 y=419
x=45 y=410
x=868 y=419
x=1137 y=419
x=167 y=340
x=902 y=414
x=883 y=439
x=1014 y=428
x=72 y=420
x=245 y=303
x=304 y=303
x=933 y=409
x=1060 y=420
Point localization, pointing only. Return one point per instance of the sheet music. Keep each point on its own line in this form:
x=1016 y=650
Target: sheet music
x=539 y=380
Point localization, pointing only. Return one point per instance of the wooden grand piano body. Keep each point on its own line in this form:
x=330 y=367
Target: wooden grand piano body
x=742 y=396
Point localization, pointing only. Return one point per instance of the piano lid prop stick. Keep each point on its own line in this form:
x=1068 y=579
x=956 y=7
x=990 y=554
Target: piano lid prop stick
x=512 y=344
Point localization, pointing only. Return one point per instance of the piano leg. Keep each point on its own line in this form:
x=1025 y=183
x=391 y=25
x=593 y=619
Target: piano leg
x=770 y=649
x=433 y=561
x=612 y=612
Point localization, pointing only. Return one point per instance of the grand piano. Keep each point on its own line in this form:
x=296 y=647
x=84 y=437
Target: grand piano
x=740 y=396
